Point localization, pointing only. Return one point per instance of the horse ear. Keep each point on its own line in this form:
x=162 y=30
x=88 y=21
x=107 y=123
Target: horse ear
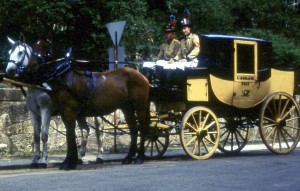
x=49 y=36
x=22 y=38
x=11 y=41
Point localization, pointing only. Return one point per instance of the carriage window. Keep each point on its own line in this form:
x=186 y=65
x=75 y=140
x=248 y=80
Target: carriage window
x=245 y=60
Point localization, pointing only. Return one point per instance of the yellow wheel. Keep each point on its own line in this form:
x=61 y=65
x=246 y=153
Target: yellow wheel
x=279 y=123
x=200 y=132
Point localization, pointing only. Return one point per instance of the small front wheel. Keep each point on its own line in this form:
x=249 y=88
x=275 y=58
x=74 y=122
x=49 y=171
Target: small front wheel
x=200 y=132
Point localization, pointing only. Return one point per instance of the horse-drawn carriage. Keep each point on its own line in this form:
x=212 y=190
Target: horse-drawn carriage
x=211 y=106
x=214 y=105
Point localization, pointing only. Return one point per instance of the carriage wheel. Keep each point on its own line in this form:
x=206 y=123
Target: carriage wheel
x=156 y=142
x=233 y=135
x=200 y=133
x=279 y=123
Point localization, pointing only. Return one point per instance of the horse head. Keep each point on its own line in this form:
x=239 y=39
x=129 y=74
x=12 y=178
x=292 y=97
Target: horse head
x=21 y=55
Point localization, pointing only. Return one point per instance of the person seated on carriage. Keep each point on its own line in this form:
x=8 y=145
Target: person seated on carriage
x=172 y=73
x=168 y=50
x=189 y=45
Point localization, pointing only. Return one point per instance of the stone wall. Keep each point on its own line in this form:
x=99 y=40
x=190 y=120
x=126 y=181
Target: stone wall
x=16 y=131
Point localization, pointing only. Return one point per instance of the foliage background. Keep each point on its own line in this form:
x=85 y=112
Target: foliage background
x=81 y=24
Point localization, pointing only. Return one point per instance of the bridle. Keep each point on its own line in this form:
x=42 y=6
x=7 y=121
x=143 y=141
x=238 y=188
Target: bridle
x=42 y=59
x=27 y=54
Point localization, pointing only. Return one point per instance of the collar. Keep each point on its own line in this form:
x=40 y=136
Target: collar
x=189 y=36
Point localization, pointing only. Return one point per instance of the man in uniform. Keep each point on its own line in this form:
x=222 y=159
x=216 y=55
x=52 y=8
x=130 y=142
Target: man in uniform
x=170 y=48
x=189 y=45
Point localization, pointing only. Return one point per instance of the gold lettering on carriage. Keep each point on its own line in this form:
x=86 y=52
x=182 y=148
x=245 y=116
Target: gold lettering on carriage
x=245 y=77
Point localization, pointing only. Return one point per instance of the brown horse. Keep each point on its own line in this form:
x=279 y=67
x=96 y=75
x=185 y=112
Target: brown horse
x=80 y=94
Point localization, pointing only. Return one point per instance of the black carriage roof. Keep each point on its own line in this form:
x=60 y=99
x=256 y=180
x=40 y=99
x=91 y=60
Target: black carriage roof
x=229 y=37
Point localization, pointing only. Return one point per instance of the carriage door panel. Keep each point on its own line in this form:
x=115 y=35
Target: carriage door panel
x=247 y=91
x=197 y=89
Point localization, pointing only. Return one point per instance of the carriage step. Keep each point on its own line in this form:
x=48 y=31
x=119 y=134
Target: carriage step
x=159 y=125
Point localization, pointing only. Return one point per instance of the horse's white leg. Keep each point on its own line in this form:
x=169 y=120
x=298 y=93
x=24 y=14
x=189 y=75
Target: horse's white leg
x=36 y=123
x=85 y=130
x=99 y=136
x=46 y=117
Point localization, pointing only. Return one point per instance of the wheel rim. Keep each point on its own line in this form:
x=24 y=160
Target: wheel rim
x=233 y=135
x=156 y=142
x=200 y=133
x=279 y=123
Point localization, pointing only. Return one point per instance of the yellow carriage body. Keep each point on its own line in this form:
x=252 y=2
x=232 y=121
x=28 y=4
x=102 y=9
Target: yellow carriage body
x=246 y=87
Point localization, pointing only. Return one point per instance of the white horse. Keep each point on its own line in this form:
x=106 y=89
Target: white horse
x=42 y=108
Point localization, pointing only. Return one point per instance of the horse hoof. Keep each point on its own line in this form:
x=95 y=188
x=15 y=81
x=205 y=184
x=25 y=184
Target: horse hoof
x=80 y=161
x=138 y=161
x=42 y=165
x=99 y=161
x=127 y=161
x=68 y=165
x=34 y=165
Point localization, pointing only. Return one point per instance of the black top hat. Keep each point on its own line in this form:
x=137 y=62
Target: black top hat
x=186 y=21
x=172 y=24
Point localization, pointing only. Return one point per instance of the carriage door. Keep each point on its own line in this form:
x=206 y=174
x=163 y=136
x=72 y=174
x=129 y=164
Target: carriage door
x=245 y=73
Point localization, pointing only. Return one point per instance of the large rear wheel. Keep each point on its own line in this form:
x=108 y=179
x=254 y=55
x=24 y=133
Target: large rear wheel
x=279 y=123
x=200 y=133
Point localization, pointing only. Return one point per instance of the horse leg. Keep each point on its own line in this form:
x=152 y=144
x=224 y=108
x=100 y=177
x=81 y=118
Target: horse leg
x=130 y=120
x=143 y=117
x=99 y=136
x=46 y=117
x=84 y=130
x=36 y=123
x=72 y=157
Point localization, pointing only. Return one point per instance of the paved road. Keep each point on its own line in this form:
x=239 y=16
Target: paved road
x=250 y=170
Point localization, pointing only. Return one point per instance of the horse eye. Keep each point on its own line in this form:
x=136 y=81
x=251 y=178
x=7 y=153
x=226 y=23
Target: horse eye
x=20 y=53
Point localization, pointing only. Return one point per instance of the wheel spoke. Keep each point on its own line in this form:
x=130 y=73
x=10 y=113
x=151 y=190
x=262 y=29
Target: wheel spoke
x=195 y=145
x=271 y=132
x=284 y=138
x=225 y=132
x=209 y=125
x=209 y=140
x=275 y=109
x=195 y=122
x=204 y=122
x=241 y=136
x=190 y=141
x=272 y=125
x=225 y=142
x=271 y=111
x=205 y=146
x=190 y=126
x=274 y=138
x=288 y=112
x=237 y=139
x=269 y=119
x=290 y=136
x=292 y=127
x=284 y=108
